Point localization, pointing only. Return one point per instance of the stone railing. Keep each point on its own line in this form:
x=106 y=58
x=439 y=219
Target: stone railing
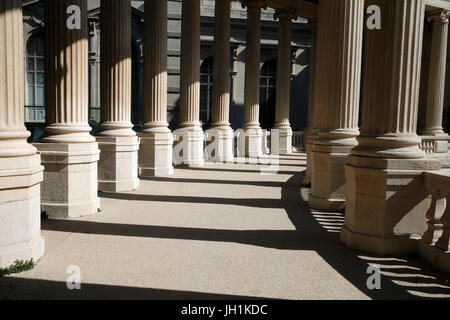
x=435 y=243
x=298 y=142
x=436 y=147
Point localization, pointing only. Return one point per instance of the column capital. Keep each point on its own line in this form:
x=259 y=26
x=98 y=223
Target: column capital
x=438 y=16
x=285 y=14
x=254 y=4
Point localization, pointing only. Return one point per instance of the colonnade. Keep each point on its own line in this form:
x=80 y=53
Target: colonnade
x=77 y=164
x=372 y=172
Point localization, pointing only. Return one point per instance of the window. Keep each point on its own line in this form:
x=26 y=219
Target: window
x=34 y=71
x=206 y=85
x=267 y=91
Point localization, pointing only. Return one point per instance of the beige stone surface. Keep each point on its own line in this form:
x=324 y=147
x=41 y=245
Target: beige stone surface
x=336 y=98
x=20 y=166
x=252 y=77
x=222 y=132
x=118 y=144
x=70 y=181
x=283 y=94
x=217 y=232
x=118 y=164
x=155 y=154
x=190 y=85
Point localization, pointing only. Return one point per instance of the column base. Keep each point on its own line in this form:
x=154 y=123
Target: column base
x=25 y=251
x=284 y=141
x=118 y=164
x=386 y=204
x=20 y=209
x=328 y=177
x=220 y=145
x=155 y=154
x=253 y=142
x=434 y=255
x=326 y=204
x=379 y=244
x=188 y=151
x=70 y=182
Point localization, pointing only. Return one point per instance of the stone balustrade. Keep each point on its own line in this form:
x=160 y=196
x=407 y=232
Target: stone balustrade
x=435 y=243
x=298 y=142
x=437 y=147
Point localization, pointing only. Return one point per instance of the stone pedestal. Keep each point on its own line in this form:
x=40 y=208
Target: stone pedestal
x=20 y=166
x=20 y=209
x=117 y=168
x=220 y=144
x=189 y=147
x=253 y=142
x=329 y=187
x=285 y=140
x=155 y=154
x=386 y=204
x=70 y=179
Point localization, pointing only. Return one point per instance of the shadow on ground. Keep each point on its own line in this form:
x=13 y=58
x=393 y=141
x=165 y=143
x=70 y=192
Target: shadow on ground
x=402 y=277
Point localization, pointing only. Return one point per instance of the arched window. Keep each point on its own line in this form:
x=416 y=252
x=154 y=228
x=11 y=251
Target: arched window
x=34 y=71
x=267 y=94
x=206 y=85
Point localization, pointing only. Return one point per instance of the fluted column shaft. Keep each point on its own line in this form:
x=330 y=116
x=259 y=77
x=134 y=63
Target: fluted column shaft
x=221 y=76
x=13 y=133
x=336 y=99
x=436 y=80
x=385 y=193
x=155 y=151
x=190 y=64
x=310 y=132
x=66 y=74
x=155 y=66
x=392 y=80
x=338 y=75
x=312 y=76
x=115 y=23
x=282 y=106
x=252 y=65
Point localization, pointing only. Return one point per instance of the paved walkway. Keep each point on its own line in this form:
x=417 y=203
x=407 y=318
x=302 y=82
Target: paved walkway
x=219 y=232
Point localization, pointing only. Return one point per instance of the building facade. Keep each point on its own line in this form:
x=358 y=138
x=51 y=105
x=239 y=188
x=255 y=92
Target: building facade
x=34 y=47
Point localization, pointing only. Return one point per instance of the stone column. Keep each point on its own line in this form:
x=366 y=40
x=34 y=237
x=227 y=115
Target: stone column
x=69 y=153
x=221 y=130
x=386 y=200
x=190 y=134
x=310 y=132
x=20 y=166
x=284 y=66
x=253 y=132
x=436 y=79
x=155 y=154
x=118 y=143
x=337 y=96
